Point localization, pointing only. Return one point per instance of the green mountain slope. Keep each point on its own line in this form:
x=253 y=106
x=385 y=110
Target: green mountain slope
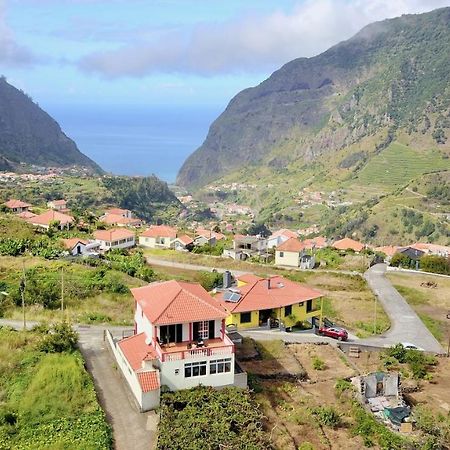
x=28 y=135
x=338 y=110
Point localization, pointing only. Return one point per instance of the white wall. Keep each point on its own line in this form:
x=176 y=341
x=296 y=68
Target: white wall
x=291 y=259
x=129 y=242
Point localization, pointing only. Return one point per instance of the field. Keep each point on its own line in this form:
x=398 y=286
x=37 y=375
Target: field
x=398 y=164
x=47 y=400
x=319 y=412
x=432 y=304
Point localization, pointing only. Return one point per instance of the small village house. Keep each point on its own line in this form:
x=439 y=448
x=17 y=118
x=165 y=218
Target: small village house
x=245 y=247
x=258 y=300
x=80 y=247
x=44 y=220
x=289 y=253
x=125 y=213
x=204 y=237
x=120 y=221
x=183 y=243
x=17 y=206
x=280 y=236
x=114 y=238
x=315 y=243
x=349 y=244
x=57 y=205
x=158 y=236
x=179 y=342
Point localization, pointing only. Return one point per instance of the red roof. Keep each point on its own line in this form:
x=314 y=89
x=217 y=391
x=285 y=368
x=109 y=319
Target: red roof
x=347 y=243
x=16 y=204
x=112 y=219
x=50 y=216
x=115 y=234
x=136 y=350
x=185 y=239
x=26 y=215
x=148 y=380
x=291 y=245
x=171 y=302
x=58 y=202
x=257 y=296
x=284 y=232
x=388 y=250
x=160 y=231
x=249 y=278
x=118 y=211
x=317 y=242
x=72 y=242
x=209 y=233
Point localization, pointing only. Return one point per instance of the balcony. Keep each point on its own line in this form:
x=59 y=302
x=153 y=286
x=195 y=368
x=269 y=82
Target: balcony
x=181 y=351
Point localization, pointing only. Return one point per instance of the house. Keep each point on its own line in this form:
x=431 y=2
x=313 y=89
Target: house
x=307 y=262
x=280 y=236
x=413 y=254
x=17 y=206
x=114 y=238
x=45 y=219
x=204 y=237
x=432 y=249
x=245 y=247
x=57 y=205
x=315 y=243
x=349 y=244
x=179 y=342
x=120 y=220
x=126 y=213
x=158 y=236
x=388 y=250
x=257 y=301
x=289 y=253
x=183 y=243
x=78 y=247
x=26 y=215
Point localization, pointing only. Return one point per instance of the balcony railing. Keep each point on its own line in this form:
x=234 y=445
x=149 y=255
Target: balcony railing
x=214 y=347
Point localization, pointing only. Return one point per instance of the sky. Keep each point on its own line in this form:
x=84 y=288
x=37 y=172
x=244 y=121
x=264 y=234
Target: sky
x=171 y=52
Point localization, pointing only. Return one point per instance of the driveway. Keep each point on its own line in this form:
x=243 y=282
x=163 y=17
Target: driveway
x=406 y=325
x=131 y=429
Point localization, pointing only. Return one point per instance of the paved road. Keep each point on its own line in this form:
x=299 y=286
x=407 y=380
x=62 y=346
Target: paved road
x=131 y=429
x=406 y=325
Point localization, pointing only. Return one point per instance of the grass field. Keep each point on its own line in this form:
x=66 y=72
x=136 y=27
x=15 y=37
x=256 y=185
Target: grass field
x=398 y=164
x=432 y=304
x=47 y=400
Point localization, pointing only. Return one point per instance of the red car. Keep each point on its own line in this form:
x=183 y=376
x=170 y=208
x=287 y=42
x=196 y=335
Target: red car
x=334 y=332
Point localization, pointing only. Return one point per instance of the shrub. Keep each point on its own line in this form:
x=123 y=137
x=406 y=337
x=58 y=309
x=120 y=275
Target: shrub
x=318 y=364
x=435 y=264
x=60 y=338
x=341 y=386
x=327 y=416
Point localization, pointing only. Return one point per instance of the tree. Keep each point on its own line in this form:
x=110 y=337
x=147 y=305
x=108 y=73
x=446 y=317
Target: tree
x=435 y=264
x=399 y=259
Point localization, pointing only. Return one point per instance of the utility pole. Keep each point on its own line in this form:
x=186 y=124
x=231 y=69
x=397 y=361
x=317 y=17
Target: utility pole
x=22 y=292
x=375 y=317
x=62 y=289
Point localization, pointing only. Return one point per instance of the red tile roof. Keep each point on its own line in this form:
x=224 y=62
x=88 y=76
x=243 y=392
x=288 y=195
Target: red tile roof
x=26 y=215
x=347 y=243
x=207 y=233
x=291 y=245
x=50 y=216
x=16 y=204
x=148 y=380
x=118 y=211
x=136 y=350
x=282 y=292
x=284 y=232
x=58 y=202
x=185 y=239
x=113 y=219
x=388 y=250
x=72 y=242
x=115 y=234
x=160 y=231
x=249 y=278
x=171 y=302
x=317 y=242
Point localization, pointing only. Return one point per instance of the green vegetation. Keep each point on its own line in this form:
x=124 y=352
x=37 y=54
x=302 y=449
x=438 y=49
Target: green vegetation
x=48 y=399
x=435 y=264
x=209 y=418
x=318 y=364
x=327 y=416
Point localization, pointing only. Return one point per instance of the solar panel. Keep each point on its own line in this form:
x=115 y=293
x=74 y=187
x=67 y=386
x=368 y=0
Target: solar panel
x=232 y=297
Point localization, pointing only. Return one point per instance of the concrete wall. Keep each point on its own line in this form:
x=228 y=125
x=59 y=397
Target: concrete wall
x=172 y=373
x=290 y=259
x=116 y=244
x=152 y=242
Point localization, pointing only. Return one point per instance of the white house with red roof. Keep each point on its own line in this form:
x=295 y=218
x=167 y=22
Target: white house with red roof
x=280 y=236
x=114 y=238
x=349 y=244
x=183 y=243
x=158 y=236
x=45 y=219
x=179 y=341
x=17 y=206
x=289 y=253
x=58 y=205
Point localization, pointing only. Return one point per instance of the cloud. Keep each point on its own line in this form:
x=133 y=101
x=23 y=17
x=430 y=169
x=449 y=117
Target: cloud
x=11 y=53
x=252 y=43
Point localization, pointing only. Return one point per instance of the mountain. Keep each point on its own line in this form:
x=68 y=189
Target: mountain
x=28 y=135
x=339 y=109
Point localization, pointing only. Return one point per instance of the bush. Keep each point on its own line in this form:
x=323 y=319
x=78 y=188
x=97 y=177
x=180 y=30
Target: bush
x=327 y=416
x=399 y=259
x=60 y=338
x=318 y=364
x=341 y=386
x=435 y=264
x=210 y=280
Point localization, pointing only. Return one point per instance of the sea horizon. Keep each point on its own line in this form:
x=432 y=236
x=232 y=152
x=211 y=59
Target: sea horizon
x=136 y=140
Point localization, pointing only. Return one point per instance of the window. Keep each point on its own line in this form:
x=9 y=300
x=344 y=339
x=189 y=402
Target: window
x=203 y=330
x=220 y=366
x=309 y=306
x=246 y=317
x=281 y=254
x=171 y=333
x=287 y=310
x=195 y=369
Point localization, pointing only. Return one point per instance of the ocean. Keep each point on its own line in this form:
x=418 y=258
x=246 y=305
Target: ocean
x=137 y=140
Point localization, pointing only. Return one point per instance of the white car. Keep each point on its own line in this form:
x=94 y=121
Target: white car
x=410 y=346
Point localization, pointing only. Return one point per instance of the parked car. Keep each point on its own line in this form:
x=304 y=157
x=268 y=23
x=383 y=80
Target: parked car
x=410 y=346
x=334 y=332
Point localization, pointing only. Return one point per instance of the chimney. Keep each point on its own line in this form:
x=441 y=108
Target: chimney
x=226 y=279
x=268 y=283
